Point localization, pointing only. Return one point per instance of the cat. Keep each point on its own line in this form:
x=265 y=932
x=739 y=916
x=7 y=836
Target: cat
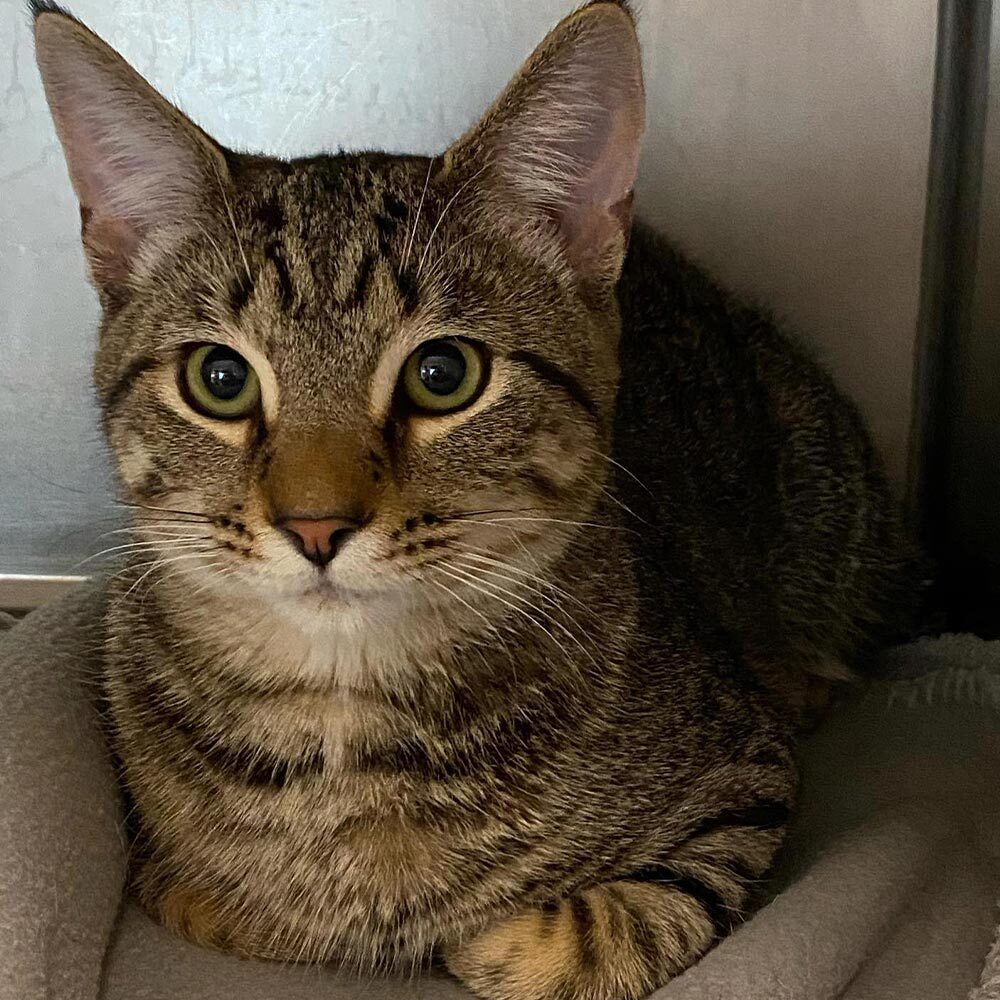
x=485 y=550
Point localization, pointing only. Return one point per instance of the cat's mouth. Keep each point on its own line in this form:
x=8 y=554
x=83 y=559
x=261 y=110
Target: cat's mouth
x=323 y=588
x=322 y=593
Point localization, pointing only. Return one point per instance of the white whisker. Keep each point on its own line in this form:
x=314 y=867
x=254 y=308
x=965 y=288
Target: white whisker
x=436 y=265
x=541 y=611
x=232 y=222
x=614 y=499
x=461 y=600
x=411 y=236
x=444 y=212
x=156 y=545
x=491 y=591
x=149 y=526
x=164 y=510
x=618 y=465
x=546 y=520
x=477 y=554
x=159 y=563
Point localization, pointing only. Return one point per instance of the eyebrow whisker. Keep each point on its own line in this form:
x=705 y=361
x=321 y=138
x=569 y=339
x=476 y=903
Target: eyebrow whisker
x=412 y=235
x=444 y=211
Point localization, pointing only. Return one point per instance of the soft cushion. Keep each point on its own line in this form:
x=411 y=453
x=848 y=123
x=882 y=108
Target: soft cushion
x=887 y=888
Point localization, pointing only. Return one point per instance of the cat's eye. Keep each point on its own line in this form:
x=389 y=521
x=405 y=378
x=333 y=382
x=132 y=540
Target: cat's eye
x=220 y=383
x=444 y=375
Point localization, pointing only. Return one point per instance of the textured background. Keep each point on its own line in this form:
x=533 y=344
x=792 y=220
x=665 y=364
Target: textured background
x=787 y=149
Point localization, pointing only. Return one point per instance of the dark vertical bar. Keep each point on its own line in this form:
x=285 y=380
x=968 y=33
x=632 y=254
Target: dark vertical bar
x=961 y=90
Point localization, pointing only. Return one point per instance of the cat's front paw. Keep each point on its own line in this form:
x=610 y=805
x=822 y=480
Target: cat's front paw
x=618 y=941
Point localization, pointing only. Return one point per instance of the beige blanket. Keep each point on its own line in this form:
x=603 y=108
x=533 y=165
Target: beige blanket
x=888 y=889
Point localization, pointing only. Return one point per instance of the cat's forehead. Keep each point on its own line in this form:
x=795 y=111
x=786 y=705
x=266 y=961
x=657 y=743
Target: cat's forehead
x=327 y=196
x=318 y=229
x=328 y=280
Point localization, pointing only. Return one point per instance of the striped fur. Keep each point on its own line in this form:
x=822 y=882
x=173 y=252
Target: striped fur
x=538 y=715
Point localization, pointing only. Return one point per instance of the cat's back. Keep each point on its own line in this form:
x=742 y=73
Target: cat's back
x=758 y=476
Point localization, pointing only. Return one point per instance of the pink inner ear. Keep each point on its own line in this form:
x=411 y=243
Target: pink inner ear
x=111 y=245
x=126 y=166
x=601 y=198
x=136 y=163
x=614 y=170
x=131 y=175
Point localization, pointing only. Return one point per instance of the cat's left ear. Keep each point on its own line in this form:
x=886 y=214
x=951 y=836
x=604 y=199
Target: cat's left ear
x=142 y=171
x=558 y=152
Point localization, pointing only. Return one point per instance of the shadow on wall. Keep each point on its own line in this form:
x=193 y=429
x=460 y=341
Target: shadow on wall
x=788 y=150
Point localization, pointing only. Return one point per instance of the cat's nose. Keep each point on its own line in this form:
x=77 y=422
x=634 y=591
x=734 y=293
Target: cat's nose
x=318 y=538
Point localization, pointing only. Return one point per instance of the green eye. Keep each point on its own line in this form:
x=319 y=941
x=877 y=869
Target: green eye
x=221 y=383
x=444 y=375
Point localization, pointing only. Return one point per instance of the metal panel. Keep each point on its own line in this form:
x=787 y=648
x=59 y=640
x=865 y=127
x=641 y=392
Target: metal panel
x=955 y=455
x=21 y=592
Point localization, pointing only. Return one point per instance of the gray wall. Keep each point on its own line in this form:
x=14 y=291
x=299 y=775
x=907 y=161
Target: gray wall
x=787 y=149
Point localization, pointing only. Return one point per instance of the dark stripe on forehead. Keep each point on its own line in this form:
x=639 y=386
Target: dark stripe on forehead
x=272 y=217
x=394 y=207
x=362 y=279
x=240 y=291
x=389 y=224
x=554 y=375
x=408 y=290
x=393 y=221
x=389 y=221
x=275 y=254
x=122 y=386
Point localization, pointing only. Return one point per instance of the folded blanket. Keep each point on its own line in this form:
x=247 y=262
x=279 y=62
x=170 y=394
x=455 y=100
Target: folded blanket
x=887 y=889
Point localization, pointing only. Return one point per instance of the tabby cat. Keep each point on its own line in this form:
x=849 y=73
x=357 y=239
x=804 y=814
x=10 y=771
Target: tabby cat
x=484 y=549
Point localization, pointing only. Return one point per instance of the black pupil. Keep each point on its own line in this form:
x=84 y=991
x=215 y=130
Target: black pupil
x=224 y=372
x=442 y=369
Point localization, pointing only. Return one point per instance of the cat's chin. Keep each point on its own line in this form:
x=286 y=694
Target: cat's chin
x=320 y=594
x=316 y=594
x=324 y=592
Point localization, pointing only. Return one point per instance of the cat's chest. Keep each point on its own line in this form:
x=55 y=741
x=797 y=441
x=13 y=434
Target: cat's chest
x=328 y=862
x=348 y=793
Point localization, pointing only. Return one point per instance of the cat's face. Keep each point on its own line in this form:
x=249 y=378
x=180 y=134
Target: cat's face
x=358 y=378
x=460 y=410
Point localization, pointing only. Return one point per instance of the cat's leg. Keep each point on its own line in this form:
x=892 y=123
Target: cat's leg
x=622 y=939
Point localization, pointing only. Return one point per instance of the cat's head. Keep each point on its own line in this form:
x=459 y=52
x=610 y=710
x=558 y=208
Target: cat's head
x=343 y=378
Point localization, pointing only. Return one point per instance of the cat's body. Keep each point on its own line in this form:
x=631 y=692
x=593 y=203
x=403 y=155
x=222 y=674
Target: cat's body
x=322 y=822
x=538 y=710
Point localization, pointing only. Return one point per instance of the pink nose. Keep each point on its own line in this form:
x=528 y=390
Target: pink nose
x=318 y=538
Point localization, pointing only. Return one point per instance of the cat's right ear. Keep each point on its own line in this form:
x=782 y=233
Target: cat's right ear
x=141 y=169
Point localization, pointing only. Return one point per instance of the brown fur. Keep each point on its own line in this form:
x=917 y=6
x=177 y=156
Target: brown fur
x=539 y=713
